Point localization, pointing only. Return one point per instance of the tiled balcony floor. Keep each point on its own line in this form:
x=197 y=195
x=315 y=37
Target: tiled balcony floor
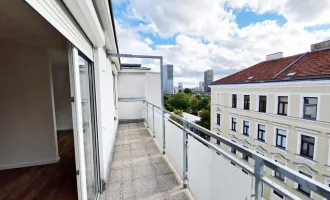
x=139 y=169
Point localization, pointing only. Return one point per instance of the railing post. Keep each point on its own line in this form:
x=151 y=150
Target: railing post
x=185 y=155
x=153 y=121
x=164 y=142
x=147 y=114
x=259 y=170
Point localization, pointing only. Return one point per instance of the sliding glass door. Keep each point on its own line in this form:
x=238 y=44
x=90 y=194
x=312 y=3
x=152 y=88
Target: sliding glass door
x=87 y=89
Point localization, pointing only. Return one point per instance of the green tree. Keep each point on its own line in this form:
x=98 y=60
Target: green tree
x=181 y=101
x=180 y=114
x=205 y=116
x=187 y=91
x=194 y=105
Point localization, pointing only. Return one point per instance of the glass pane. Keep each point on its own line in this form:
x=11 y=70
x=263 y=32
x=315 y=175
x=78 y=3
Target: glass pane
x=283 y=99
x=87 y=128
x=280 y=109
x=284 y=142
x=310 y=111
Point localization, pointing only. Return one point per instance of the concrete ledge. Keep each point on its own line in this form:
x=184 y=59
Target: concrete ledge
x=126 y=121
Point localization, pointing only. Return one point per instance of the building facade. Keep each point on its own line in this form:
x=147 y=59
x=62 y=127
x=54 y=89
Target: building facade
x=280 y=109
x=180 y=86
x=208 y=79
x=201 y=86
x=168 y=79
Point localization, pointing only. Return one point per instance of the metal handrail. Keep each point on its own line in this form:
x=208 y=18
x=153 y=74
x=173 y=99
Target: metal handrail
x=260 y=161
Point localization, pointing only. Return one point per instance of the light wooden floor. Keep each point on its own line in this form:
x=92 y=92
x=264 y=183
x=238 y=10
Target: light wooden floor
x=54 y=181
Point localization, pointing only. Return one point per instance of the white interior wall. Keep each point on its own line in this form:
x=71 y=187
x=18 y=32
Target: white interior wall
x=61 y=88
x=27 y=134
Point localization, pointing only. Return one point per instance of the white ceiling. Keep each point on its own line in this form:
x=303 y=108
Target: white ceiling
x=21 y=23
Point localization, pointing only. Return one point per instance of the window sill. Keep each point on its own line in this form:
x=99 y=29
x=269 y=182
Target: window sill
x=281 y=149
x=280 y=180
x=261 y=141
x=305 y=158
x=303 y=193
x=245 y=135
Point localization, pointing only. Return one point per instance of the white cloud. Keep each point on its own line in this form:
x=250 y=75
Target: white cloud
x=228 y=49
x=304 y=13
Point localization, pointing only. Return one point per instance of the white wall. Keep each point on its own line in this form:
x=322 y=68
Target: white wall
x=107 y=126
x=153 y=88
x=27 y=134
x=61 y=87
x=131 y=85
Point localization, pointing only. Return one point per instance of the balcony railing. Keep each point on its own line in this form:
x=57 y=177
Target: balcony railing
x=213 y=173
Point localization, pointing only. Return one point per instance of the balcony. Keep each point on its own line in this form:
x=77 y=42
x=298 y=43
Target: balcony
x=179 y=164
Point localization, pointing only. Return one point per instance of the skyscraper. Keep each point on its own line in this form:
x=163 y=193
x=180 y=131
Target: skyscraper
x=208 y=78
x=168 y=79
x=180 y=85
x=201 y=86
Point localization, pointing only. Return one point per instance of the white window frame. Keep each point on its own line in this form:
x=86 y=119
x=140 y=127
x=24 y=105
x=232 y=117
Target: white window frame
x=246 y=94
x=216 y=119
x=299 y=134
x=287 y=138
x=280 y=162
x=230 y=124
x=231 y=100
x=249 y=134
x=276 y=103
x=257 y=102
x=312 y=174
x=256 y=132
x=301 y=108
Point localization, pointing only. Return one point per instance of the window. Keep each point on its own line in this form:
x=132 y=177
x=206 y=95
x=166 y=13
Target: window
x=233 y=150
x=233 y=124
x=307 y=146
x=278 y=175
x=245 y=157
x=281 y=138
x=305 y=190
x=261 y=132
x=278 y=194
x=218 y=119
x=262 y=103
x=234 y=100
x=282 y=105
x=310 y=108
x=246 y=127
x=246 y=102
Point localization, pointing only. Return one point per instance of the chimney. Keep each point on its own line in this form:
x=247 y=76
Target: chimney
x=274 y=56
x=320 y=46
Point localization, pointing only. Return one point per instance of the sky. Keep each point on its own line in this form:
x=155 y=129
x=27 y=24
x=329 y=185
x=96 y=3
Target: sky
x=224 y=35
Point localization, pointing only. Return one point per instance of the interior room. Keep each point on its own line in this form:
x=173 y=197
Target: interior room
x=37 y=157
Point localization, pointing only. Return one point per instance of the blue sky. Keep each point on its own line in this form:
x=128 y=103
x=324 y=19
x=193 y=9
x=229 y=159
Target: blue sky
x=223 y=35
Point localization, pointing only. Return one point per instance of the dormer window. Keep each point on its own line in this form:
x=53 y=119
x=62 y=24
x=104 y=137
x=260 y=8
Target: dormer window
x=289 y=75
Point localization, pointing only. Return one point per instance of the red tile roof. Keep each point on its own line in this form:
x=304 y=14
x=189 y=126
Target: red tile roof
x=313 y=64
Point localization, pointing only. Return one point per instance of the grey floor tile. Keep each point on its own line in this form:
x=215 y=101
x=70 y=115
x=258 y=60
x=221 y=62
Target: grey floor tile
x=128 y=190
x=168 y=182
x=114 y=191
x=162 y=168
x=139 y=153
x=145 y=186
x=136 y=146
x=153 y=151
x=143 y=171
x=124 y=147
x=178 y=195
